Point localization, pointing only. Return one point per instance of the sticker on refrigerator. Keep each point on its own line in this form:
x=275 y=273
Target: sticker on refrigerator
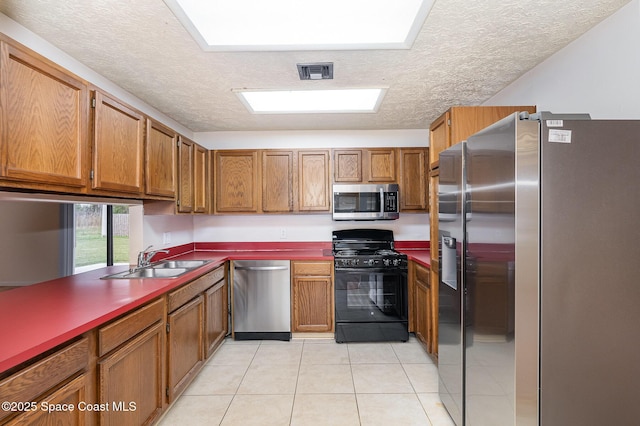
x=560 y=136
x=555 y=123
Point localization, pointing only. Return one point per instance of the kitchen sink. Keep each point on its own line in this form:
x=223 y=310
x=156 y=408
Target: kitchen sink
x=162 y=269
x=148 y=273
x=187 y=264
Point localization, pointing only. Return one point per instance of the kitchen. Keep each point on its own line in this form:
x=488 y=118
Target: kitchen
x=604 y=58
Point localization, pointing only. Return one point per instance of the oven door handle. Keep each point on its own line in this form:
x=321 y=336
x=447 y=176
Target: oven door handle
x=372 y=270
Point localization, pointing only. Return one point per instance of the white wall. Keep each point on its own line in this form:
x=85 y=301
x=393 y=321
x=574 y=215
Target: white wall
x=179 y=230
x=410 y=227
x=314 y=139
x=599 y=73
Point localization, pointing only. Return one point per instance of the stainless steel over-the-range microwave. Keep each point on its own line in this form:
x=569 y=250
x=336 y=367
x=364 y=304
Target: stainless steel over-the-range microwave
x=365 y=201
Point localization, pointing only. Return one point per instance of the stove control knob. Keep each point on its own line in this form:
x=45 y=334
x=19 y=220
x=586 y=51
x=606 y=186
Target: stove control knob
x=386 y=262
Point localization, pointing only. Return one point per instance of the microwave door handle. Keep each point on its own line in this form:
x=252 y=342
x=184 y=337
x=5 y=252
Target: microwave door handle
x=381 y=201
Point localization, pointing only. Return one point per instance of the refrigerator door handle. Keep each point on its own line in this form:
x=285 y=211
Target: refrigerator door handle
x=449 y=262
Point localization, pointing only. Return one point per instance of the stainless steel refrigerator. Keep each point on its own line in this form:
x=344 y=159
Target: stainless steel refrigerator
x=539 y=295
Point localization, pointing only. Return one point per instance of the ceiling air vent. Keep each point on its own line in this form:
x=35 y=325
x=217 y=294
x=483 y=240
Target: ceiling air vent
x=316 y=71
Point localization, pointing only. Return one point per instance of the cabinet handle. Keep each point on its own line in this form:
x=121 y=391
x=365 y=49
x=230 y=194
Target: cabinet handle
x=261 y=268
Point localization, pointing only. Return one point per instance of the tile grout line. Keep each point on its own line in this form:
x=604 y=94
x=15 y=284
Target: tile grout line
x=353 y=382
x=226 y=411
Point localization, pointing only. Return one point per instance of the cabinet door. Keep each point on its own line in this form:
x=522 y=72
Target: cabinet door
x=439 y=138
x=313 y=181
x=44 y=116
x=216 y=316
x=200 y=181
x=118 y=144
x=434 y=275
x=380 y=164
x=277 y=181
x=434 y=279
x=70 y=395
x=237 y=181
x=422 y=304
x=467 y=120
x=312 y=308
x=347 y=165
x=160 y=170
x=185 y=175
x=414 y=193
x=185 y=350
x=134 y=373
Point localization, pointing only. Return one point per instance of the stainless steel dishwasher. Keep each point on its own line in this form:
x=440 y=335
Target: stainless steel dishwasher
x=261 y=299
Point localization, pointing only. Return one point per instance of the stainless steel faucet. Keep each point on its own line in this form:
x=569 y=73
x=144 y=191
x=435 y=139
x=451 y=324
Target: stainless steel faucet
x=145 y=256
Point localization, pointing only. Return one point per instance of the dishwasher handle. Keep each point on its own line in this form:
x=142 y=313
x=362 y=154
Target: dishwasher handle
x=261 y=268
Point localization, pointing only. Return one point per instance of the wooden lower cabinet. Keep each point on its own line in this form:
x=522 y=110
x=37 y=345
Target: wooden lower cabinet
x=55 y=409
x=57 y=378
x=216 y=311
x=434 y=279
x=422 y=304
x=196 y=325
x=128 y=370
x=185 y=352
x=312 y=297
x=132 y=379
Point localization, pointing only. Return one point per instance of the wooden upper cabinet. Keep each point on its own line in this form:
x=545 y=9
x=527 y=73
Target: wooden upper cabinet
x=460 y=122
x=313 y=181
x=185 y=202
x=277 y=181
x=44 y=122
x=414 y=184
x=366 y=165
x=193 y=179
x=118 y=146
x=439 y=138
x=200 y=180
x=237 y=181
x=160 y=160
x=347 y=165
x=380 y=165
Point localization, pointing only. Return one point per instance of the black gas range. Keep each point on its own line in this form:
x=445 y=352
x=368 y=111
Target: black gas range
x=370 y=287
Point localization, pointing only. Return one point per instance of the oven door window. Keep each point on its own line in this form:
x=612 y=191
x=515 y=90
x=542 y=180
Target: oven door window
x=370 y=296
x=357 y=202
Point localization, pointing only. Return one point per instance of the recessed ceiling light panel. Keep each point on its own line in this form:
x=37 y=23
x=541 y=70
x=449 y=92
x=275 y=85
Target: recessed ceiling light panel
x=312 y=101
x=249 y=25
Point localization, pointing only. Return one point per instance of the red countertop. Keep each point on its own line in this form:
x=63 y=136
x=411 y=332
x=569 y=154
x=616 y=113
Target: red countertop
x=421 y=256
x=418 y=251
x=36 y=318
x=39 y=317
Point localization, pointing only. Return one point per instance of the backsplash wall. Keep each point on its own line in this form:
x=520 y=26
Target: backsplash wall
x=243 y=228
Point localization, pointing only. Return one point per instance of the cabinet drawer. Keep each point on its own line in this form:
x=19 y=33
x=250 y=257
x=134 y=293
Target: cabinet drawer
x=187 y=292
x=312 y=268
x=71 y=394
x=45 y=374
x=422 y=274
x=113 y=335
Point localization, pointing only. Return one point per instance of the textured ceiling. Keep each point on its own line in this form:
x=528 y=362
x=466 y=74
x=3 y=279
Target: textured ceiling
x=466 y=52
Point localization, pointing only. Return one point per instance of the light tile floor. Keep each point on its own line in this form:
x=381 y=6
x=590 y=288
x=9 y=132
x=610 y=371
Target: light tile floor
x=313 y=382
